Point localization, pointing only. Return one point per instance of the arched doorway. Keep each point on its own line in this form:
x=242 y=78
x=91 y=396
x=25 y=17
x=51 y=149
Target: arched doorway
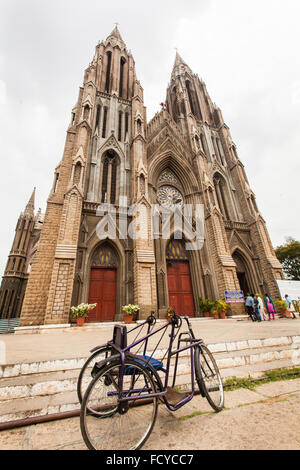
x=242 y=273
x=179 y=279
x=103 y=284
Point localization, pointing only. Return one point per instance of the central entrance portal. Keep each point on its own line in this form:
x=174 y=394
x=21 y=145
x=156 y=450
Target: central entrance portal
x=103 y=285
x=179 y=279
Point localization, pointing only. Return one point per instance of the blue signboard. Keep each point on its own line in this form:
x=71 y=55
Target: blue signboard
x=234 y=296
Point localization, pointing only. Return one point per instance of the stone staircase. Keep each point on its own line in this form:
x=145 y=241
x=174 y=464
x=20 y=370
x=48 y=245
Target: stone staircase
x=49 y=387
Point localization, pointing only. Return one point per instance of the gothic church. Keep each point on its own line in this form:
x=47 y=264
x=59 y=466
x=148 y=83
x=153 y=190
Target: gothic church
x=113 y=156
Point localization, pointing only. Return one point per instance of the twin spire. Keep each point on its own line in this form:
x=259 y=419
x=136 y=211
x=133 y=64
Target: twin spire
x=178 y=59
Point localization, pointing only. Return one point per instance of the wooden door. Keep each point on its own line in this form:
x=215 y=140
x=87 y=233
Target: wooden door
x=180 y=288
x=103 y=290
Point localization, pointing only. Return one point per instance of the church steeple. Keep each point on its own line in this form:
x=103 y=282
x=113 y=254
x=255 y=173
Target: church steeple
x=29 y=209
x=115 y=33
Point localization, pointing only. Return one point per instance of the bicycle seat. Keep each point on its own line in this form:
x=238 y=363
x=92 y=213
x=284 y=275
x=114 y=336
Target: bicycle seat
x=157 y=365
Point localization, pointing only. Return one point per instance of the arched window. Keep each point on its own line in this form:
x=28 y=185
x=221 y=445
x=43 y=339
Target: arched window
x=221 y=192
x=108 y=67
x=104 y=122
x=86 y=112
x=55 y=182
x=97 y=116
x=77 y=173
x=202 y=142
x=219 y=151
x=120 y=126
x=193 y=99
x=139 y=126
x=122 y=63
x=175 y=104
x=109 y=177
x=126 y=124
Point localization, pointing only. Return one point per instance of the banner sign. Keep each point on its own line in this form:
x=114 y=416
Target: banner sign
x=234 y=296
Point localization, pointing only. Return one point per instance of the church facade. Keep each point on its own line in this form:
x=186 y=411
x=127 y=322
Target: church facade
x=114 y=159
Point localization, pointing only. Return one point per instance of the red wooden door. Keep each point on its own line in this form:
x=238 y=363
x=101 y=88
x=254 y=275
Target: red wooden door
x=180 y=288
x=103 y=289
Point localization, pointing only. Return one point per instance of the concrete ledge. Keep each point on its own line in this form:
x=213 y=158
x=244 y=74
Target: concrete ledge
x=41 y=329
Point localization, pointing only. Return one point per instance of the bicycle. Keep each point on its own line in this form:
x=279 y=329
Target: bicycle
x=119 y=407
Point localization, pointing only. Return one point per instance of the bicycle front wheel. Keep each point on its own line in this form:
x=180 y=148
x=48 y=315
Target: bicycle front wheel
x=110 y=423
x=209 y=378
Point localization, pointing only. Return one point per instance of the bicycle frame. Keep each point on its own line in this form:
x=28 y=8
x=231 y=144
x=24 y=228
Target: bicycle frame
x=162 y=393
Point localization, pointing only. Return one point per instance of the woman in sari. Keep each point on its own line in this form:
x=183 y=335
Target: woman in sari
x=270 y=307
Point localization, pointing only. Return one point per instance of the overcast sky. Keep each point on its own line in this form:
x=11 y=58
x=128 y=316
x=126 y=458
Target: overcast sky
x=247 y=52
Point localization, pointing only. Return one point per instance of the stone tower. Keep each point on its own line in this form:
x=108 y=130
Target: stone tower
x=19 y=261
x=115 y=168
x=191 y=154
x=103 y=163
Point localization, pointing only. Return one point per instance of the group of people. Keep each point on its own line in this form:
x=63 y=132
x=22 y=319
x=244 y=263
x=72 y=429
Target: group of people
x=260 y=311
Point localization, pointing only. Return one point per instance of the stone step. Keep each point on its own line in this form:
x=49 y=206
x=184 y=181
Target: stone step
x=48 y=387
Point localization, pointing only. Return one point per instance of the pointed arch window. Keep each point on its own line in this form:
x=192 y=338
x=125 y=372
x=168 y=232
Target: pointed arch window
x=104 y=123
x=139 y=126
x=194 y=102
x=109 y=187
x=77 y=173
x=122 y=64
x=175 y=104
x=97 y=116
x=86 y=112
x=108 y=67
x=126 y=124
x=221 y=192
x=120 y=126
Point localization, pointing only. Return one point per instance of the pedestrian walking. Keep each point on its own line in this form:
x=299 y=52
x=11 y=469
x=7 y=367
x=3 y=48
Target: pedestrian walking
x=270 y=307
x=249 y=304
x=256 y=308
x=261 y=308
x=290 y=306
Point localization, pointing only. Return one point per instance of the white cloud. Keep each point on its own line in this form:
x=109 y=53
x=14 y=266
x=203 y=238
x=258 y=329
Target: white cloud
x=246 y=52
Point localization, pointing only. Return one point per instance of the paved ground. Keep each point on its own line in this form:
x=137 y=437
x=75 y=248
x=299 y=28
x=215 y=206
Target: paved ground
x=266 y=418
x=76 y=342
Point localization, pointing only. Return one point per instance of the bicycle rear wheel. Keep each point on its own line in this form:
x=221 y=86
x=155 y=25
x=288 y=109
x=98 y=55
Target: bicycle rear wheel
x=85 y=377
x=209 y=378
x=107 y=422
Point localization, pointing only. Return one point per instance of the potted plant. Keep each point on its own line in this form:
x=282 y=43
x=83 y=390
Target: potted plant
x=170 y=313
x=215 y=313
x=281 y=305
x=221 y=307
x=205 y=306
x=80 y=313
x=129 y=310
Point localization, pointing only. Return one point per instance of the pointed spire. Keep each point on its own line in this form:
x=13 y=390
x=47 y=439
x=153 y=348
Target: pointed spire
x=116 y=33
x=178 y=60
x=29 y=210
x=177 y=68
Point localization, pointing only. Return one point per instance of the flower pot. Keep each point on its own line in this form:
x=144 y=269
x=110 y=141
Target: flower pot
x=222 y=315
x=80 y=321
x=216 y=316
x=206 y=314
x=128 y=318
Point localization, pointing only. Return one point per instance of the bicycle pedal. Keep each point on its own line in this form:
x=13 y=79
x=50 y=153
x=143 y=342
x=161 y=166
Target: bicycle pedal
x=174 y=397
